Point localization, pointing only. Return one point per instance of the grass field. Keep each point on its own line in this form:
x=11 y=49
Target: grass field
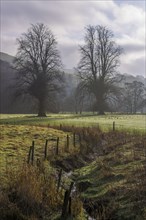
x=107 y=166
x=16 y=140
x=130 y=122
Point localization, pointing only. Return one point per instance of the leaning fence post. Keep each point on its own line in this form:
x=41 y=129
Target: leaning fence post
x=29 y=154
x=59 y=179
x=113 y=125
x=80 y=141
x=45 y=151
x=64 y=207
x=57 y=146
x=32 y=155
x=69 y=206
x=66 y=202
x=67 y=144
x=74 y=139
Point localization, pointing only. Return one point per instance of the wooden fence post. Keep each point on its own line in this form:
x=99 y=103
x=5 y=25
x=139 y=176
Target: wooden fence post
x=57 y=146
x=65 y=210
x=32 y=153
x=45 y=151
x=80 y=141
x=113 y=125
x=64 y=207
x=74 y=139
x=69 y=206
x=29 y=154
x=67 y=142
x=59 y=179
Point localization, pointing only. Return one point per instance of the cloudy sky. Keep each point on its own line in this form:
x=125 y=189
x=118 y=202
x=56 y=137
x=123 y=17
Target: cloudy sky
x=67 y=20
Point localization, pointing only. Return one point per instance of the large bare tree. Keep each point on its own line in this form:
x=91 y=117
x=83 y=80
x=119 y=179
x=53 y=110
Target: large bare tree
x=38 y=66
x=98 y=64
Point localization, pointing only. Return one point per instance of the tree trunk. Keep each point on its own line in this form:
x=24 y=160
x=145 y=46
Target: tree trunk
x=100 y=105
x=42 y=109
x=101 y=112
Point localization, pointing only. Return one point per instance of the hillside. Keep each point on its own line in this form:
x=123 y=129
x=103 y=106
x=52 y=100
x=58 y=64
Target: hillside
x=6 y=78
x=6 y=57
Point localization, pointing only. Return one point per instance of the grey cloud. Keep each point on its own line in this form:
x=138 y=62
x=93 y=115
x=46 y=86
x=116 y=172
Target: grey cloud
x=137 y=67
x=68 y=14
x=133 y=48
x=8 y=45
x=19 y=14
x=137 y=3
x=53 y=12
x=67 y=20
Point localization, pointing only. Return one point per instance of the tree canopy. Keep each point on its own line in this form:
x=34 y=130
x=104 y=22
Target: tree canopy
x=98 y=64
x=38 y=66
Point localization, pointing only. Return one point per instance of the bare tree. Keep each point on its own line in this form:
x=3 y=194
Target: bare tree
x=133 y=97
x=98 y=64
x=38 y=66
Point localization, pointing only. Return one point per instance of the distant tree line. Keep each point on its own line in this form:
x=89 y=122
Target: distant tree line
x=131 y=98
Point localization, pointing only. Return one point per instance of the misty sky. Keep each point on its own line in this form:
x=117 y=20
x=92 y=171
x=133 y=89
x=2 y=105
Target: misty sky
x=67 y=20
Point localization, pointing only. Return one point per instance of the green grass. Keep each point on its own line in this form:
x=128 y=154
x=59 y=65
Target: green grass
x=122 y=122
x=15 y=142
x=14 y=147
x=117 y=178
x=113 y=176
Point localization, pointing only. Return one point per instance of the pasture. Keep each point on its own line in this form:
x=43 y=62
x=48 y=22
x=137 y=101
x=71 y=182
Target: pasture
x=16 y=140
x=107 y=166
x=105 y=122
